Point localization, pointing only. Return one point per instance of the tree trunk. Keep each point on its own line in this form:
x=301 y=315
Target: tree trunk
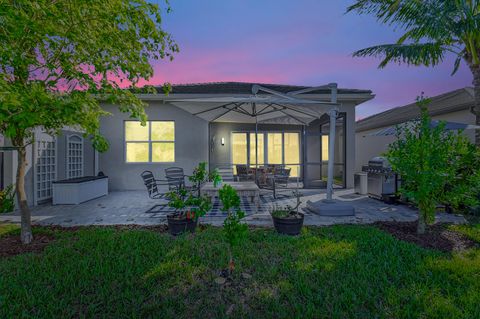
x=476 y=108
x=26 y=223
x=421 y=223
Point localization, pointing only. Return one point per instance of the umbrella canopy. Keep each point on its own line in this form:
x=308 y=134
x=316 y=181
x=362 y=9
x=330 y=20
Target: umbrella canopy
x=269 y=109
x=449 y=126
x=273 y=107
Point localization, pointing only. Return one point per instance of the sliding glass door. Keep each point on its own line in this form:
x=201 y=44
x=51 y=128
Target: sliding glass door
x=291 y=142
x=273 y=148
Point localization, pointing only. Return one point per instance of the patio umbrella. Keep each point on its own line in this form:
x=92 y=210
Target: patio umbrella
x=449 y=126
x=273 y=108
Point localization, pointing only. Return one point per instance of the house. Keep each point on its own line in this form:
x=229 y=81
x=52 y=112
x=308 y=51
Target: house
x=176 y=135
x=454 y=106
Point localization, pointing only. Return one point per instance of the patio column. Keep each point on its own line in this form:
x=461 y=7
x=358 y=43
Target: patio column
x=333 y=113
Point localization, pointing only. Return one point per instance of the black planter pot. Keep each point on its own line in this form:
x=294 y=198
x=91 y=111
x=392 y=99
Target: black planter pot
x=288 y=226
x=389 y=199
x=177 y=226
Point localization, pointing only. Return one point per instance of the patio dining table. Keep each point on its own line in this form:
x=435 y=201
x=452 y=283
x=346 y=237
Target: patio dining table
x=246 y=189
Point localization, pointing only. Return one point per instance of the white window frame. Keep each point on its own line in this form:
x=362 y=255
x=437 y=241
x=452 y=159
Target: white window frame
x=74 y=159
x=150 y=142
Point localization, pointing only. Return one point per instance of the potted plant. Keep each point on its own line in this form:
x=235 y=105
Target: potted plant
x=190 y=206
x=288 y=220
x=188 y=209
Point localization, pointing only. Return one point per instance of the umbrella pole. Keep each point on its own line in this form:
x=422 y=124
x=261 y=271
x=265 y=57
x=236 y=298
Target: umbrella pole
x=331 y=144
x=256 y=141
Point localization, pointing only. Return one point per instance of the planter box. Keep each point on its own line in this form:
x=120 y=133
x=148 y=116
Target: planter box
x=78 y=190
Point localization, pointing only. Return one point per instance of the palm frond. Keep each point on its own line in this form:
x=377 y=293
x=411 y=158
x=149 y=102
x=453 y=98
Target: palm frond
x=452 y=25
x=428 y=54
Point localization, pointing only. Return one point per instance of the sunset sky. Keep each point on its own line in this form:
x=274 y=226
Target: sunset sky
x=303 y=42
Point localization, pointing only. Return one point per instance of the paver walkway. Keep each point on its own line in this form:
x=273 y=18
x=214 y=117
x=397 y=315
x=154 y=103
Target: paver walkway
x=129 y=207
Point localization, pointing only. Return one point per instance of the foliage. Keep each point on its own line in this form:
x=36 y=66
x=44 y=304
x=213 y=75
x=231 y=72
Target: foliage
x=425 y=158
x=431 y=28
x=279 y=211
x=7 y=199
x=59 y=59
x=463 y=193
x=235 y=231
x=188 y=205
x=201 y=175
x=343 y=271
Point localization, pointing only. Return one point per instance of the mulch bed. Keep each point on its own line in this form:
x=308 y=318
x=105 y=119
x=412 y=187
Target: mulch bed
x=11 y=245
x=436 y=236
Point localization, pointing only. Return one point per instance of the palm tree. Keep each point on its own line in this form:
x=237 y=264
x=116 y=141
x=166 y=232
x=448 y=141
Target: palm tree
x=432 y=28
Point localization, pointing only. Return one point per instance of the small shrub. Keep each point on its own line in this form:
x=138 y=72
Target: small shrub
x=235 y=231
x=7 y=199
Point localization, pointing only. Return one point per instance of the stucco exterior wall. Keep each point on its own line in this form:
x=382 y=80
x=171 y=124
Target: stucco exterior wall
x=191 y=145
x=370 y=146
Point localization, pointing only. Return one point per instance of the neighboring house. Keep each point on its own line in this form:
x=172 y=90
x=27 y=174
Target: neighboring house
x=454 y=106
x=175 y=137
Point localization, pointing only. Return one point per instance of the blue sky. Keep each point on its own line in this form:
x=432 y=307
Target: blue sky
x=304 y=42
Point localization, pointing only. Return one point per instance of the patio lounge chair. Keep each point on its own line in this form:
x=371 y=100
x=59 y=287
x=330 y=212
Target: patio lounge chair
x=244 y=173
x=155 y=190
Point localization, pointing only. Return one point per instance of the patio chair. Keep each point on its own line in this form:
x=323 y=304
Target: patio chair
x=155 y=190
x=278 y=180
x=244 y=173
x=176 y=178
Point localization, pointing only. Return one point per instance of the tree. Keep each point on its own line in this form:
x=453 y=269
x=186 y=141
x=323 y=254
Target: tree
x=60 y=58
x=426 y=159
x=235 y=231
x=432 y=28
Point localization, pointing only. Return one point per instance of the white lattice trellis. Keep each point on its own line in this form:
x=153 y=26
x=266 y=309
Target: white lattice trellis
x=74 y=156
x=45 y=169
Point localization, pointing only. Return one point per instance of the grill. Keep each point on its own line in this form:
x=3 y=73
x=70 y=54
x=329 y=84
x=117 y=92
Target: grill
x=382 y=181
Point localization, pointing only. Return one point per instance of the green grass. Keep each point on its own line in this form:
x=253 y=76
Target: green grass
x=333 y=272
x=6 y=229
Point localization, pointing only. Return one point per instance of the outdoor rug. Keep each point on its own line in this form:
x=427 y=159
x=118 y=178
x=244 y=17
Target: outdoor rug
x=266 y=203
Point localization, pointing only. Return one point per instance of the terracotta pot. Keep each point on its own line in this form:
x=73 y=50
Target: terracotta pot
x=288 y=226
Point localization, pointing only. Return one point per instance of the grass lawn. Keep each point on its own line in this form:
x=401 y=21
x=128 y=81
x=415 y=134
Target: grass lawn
x=334 y=272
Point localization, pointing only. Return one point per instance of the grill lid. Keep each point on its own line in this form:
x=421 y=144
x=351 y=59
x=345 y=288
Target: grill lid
x=379 y=162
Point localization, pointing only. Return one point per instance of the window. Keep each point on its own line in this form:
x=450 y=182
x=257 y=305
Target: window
x=239 y=150
x=273 y=148
x=74 y=156
x=325 y=141
x=154 y=142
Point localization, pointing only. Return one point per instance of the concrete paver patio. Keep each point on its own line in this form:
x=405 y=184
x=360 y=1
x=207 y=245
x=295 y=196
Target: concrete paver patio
x=130 y=207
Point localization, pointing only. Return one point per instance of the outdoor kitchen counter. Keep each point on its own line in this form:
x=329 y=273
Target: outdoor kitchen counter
x=78 y=190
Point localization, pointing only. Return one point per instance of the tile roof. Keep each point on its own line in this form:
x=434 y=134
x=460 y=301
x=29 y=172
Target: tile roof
x=457 y=100
x=246 y=88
